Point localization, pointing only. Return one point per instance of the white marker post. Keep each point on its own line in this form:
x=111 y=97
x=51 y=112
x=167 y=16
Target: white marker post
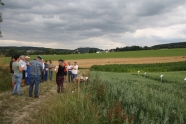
x=161 y=76
x=185 y=79
x=145 y=74
x=138 y=72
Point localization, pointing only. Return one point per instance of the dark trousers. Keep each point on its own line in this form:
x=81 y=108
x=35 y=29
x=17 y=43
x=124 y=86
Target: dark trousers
x=69 y=76
x=34 y=80
x=60 y=81
x=45 y=77
x=42 y=76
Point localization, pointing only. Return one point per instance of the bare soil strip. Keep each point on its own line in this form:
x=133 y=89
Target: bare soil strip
x=87 y=63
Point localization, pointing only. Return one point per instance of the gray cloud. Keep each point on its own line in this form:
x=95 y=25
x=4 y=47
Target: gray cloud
x=77 y=23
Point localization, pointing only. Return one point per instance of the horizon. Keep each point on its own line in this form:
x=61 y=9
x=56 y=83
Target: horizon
x=92 y=47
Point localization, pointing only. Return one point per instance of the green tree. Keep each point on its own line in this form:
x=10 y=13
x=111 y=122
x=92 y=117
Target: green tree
x=2 y=3
x=50 y=51
x=12 y=52
x=1 y=20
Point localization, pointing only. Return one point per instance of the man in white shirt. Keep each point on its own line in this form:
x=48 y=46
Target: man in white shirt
x=69 y=72
x=74 y=70
x=23 y=65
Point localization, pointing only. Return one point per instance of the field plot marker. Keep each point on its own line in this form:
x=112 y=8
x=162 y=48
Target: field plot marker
x=161 y=76
x=185 y=79
x=138 y=72
x=145 y=74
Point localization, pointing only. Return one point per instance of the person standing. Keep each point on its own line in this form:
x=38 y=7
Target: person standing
x=23 y=65
x=60 y=76
x=12 y=72
x=74 y=70
x=27 y=74
x=69 y=72
x=42 y=73
x=35 y=75
x=50 y=66
x=17 y=68
x=45 y=71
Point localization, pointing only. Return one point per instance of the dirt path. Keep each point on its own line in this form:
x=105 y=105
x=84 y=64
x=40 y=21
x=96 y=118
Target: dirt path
x=22 y=109
x=87 y=63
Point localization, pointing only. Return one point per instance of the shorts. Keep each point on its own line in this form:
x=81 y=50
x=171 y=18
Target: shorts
x=23 y=74
x=13 y=77
x=65 y=73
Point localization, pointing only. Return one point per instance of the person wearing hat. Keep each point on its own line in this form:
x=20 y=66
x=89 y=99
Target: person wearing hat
x=35 y=75
x=27 y=75
x=45 y=71
x=60 y=73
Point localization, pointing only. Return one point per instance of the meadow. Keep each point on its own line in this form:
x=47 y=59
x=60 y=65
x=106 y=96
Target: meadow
x=5 y=77
x=127 y=54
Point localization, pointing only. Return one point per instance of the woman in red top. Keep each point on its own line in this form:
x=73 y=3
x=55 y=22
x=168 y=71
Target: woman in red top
x=60 y=73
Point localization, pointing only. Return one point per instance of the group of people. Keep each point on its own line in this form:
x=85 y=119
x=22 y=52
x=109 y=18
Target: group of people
x=36 y=71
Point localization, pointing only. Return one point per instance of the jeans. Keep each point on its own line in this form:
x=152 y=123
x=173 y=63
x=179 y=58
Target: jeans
x=34 y=80
x=70 y=76
x=50 y=74
x=74 y=76
x=28 y=75
x=45 y=75
x=17 y=86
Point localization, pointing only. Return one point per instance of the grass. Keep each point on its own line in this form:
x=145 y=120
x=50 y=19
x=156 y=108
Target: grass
x=68 y=108
x=149 y=100
x=113 y=98
x=155 y=67
x=5 y=78
x=128 y=54
x=23 y=109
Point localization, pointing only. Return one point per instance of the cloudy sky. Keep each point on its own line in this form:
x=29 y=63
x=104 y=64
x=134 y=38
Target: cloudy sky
x=105 y=24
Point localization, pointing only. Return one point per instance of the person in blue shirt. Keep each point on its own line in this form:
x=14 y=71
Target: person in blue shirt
x=45 y=71
x=35 y=75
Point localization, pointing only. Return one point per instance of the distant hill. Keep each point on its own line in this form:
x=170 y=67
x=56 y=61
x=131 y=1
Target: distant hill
x=170 y=45
x=87 y=50
x=30 y=48
x=27 y=50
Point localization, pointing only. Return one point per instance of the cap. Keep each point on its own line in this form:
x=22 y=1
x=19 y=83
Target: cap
x=27 y=57
x=40 y=57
